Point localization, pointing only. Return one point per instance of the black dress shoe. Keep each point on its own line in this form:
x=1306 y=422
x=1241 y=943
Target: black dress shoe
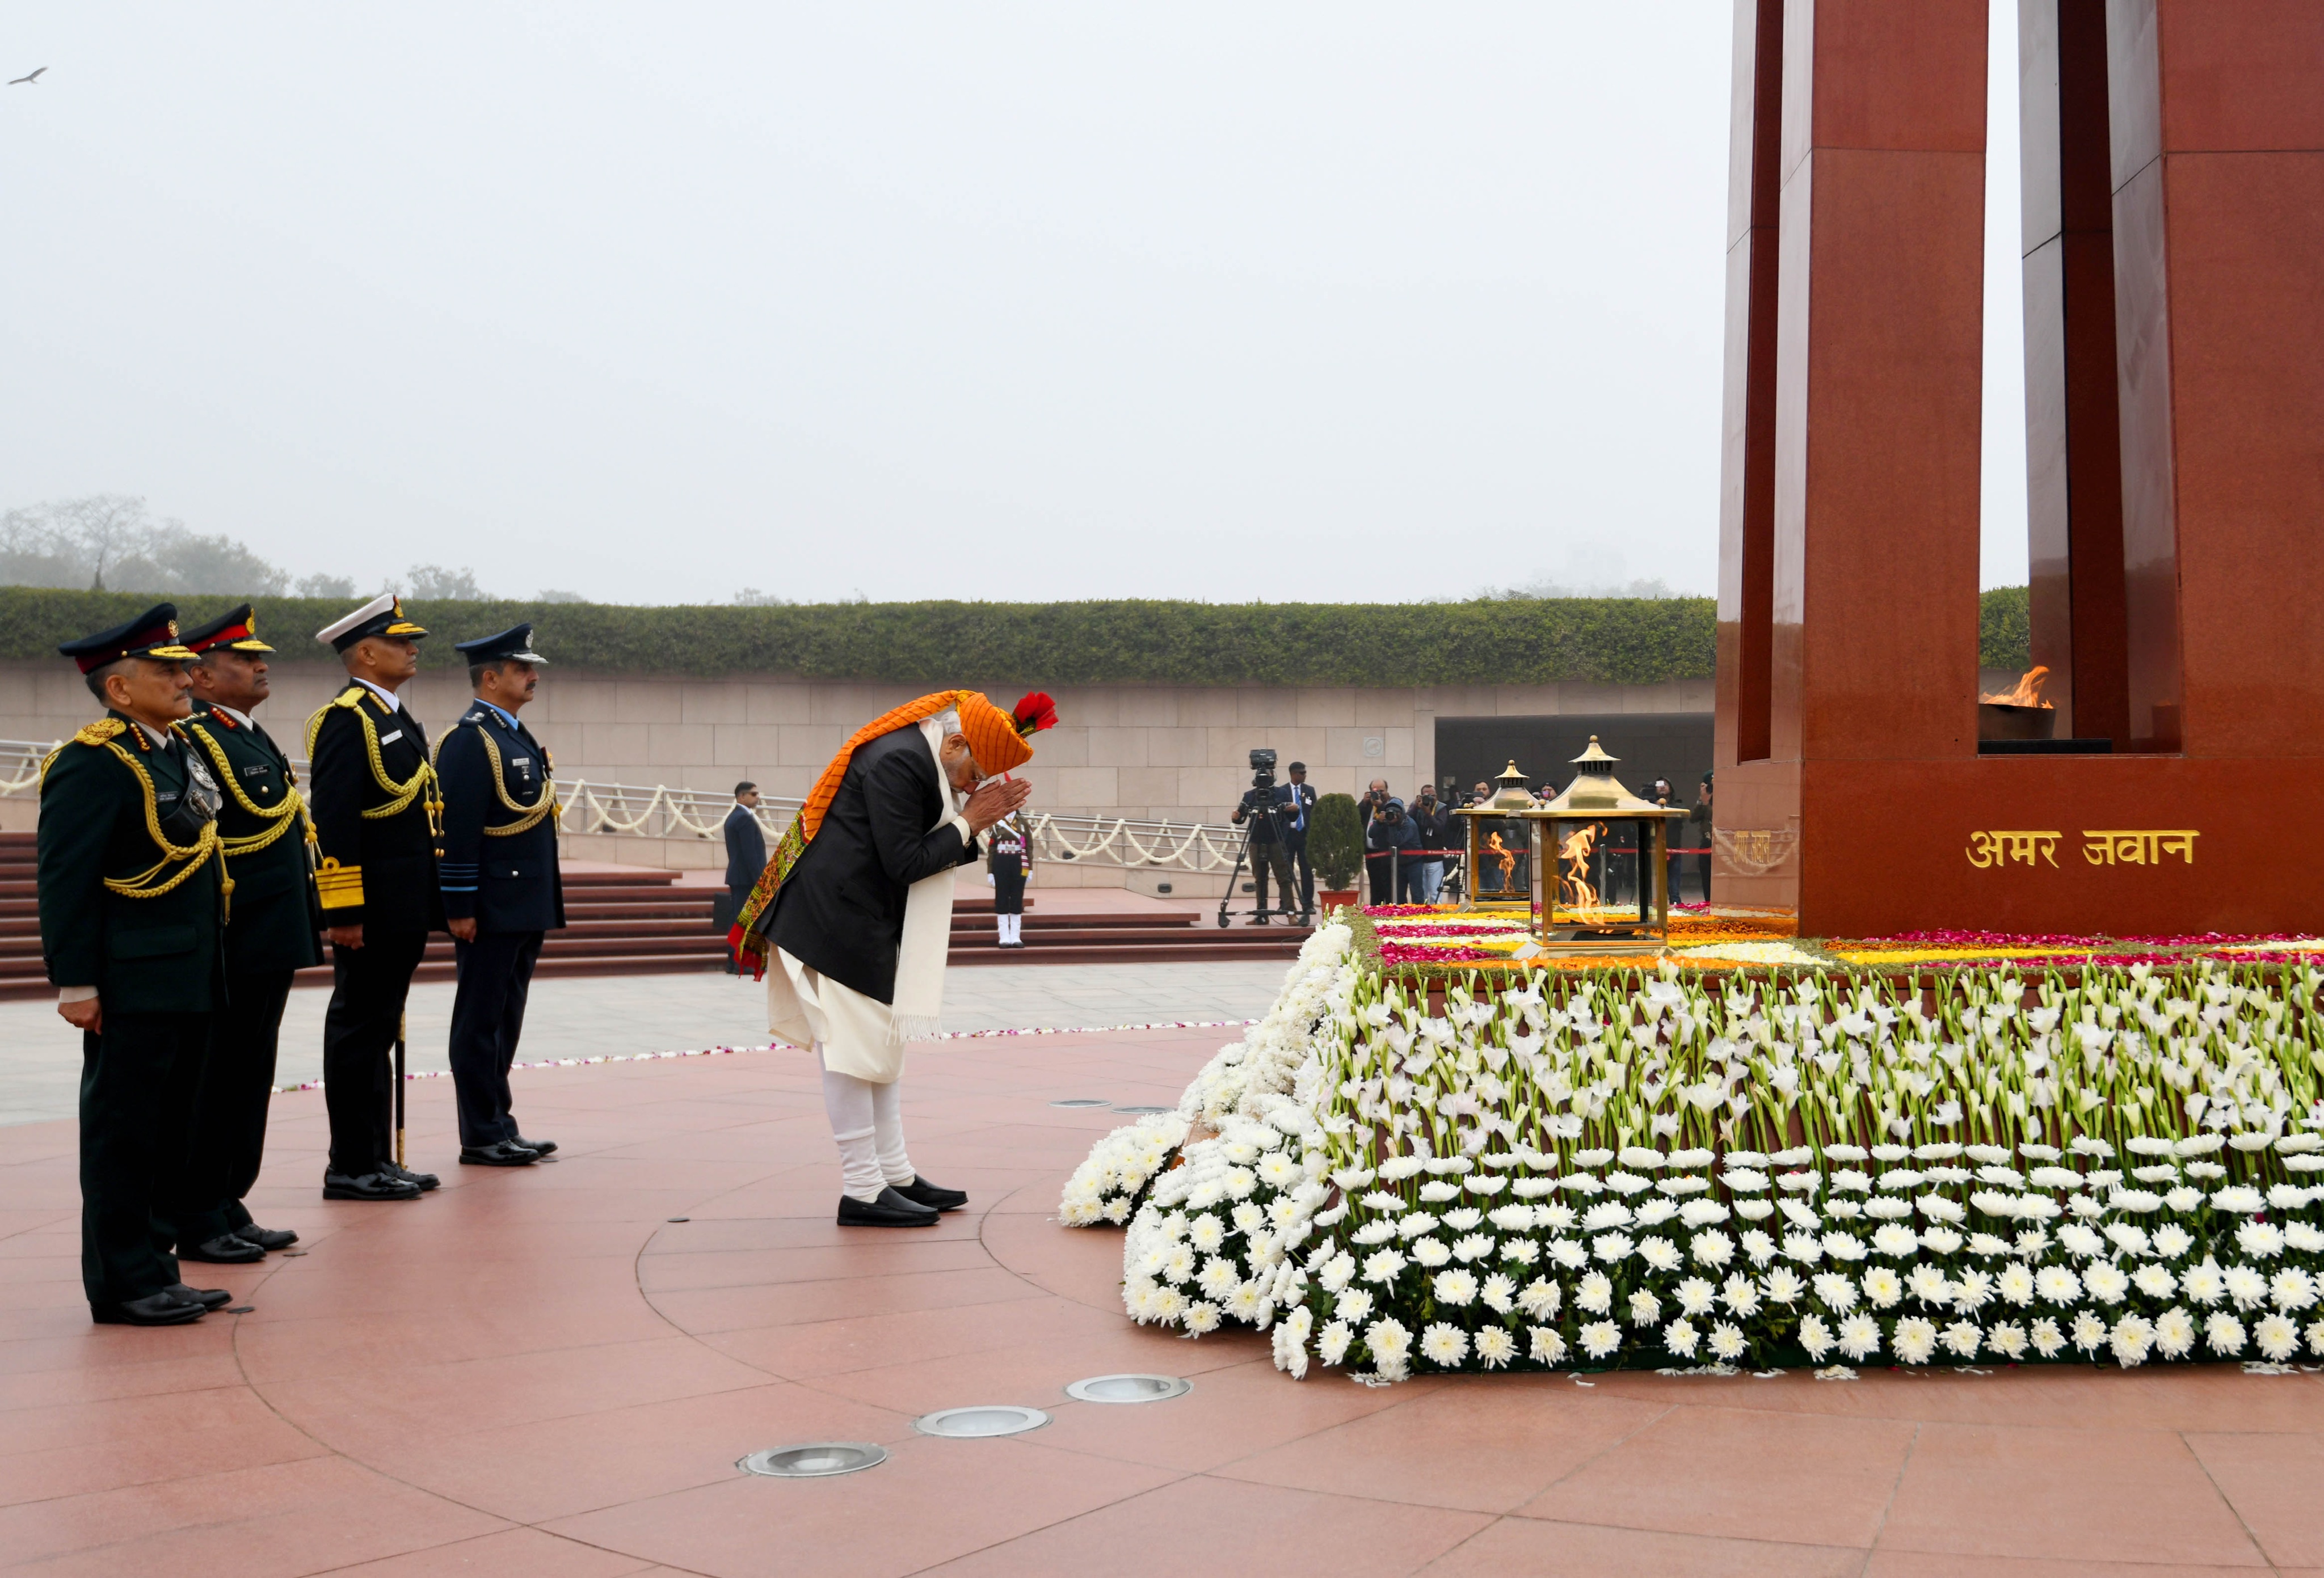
x=891 y=1209
x=371 y=1186
x=163 y=1308
x=266 y=1237
x=500 y=1153
x=538 y=1147
x=935 y=1196
x=226 y=1249
x=208 y=1298
x=422 y=1182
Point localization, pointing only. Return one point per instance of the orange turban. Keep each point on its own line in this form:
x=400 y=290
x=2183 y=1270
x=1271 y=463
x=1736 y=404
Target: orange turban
x=992 y=734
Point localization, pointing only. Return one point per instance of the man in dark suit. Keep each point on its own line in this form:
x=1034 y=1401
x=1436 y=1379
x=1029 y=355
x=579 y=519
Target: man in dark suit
x=132 y=900
x=502 y=891
x=859 y=921
x=1297 y=798
x=272 y=925
x=376 y=809
x=746 y=857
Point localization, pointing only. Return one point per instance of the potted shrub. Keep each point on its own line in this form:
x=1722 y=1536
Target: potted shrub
x=1335 y=846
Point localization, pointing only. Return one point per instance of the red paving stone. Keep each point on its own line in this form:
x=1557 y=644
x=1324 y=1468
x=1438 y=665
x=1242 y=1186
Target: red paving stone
x=537 y=1371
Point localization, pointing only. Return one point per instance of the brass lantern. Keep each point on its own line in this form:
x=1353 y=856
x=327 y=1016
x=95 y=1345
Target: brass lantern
x=1568 y=840
x=1500 y=847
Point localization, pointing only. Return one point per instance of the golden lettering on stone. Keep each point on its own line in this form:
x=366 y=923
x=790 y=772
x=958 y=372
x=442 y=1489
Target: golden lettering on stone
x=2138 y=846
x=2001 y=848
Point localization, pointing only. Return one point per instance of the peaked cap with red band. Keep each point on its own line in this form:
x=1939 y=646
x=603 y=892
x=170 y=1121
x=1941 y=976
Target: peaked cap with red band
x=152 y=634
x=236 y=630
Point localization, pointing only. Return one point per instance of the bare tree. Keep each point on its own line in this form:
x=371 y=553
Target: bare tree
x=434 y=581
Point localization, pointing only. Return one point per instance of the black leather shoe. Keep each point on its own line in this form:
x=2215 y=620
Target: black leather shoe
x=422 y=1182
x=891 y=1209
x=935 y=1196
x=501 y=1153
x=225 y=1249
x=371 y=1186
x=266 y=1237
x=538 y=1147
x=208 y=1298
x=164 y=1309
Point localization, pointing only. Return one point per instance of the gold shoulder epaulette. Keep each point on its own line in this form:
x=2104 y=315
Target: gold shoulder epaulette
x=99 y=732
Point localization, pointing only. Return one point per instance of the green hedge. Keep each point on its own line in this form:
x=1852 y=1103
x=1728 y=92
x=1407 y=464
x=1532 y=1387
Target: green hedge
x=1616 y=640
x=1516 y=641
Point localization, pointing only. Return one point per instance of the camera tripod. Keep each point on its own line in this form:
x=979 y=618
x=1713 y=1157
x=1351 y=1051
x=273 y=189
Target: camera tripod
x=1277 y=856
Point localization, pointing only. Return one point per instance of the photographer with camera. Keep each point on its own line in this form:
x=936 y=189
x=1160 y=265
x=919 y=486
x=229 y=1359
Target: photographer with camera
x=1391 y=853
x=1432 y=823
x=1265 y=841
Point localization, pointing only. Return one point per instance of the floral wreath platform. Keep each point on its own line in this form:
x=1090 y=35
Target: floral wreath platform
x=1754 y=1150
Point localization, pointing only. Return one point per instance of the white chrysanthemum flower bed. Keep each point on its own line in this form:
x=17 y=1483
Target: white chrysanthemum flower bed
x=1581 y=1171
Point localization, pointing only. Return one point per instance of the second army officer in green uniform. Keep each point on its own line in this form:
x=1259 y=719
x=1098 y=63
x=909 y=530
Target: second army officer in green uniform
x=264 y=830
x=501 y=887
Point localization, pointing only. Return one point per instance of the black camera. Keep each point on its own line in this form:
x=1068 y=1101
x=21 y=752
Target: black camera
x=1262 y=768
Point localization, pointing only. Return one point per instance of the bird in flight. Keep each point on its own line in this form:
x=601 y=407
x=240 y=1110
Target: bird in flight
x=34 y=78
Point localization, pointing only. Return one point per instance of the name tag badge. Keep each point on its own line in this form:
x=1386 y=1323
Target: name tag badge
x=523 y=765
x=391 y=738
x=255 y=770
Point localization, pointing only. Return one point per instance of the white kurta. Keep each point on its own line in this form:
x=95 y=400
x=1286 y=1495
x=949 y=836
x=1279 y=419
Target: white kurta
x=805 y=1007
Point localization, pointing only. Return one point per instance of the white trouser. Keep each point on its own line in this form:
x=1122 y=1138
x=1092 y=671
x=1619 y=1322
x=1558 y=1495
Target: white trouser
x=867 y=1120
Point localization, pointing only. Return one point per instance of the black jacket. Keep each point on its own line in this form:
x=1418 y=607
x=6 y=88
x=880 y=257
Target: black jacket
x=504 y=881
x=161 y=954
x=746 y=849
x=1299 y=804
x=271 y=922
x=375 y=871
x=842 y=911
x=1434 y=830
x=1383 y=836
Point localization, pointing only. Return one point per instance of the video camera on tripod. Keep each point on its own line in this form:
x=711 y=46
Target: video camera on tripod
x=1259 y=809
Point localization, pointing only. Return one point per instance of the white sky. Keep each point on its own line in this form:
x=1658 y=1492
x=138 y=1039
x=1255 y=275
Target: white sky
x=1341 y=302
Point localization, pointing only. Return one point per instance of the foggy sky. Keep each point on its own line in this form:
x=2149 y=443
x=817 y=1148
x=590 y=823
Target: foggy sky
x=1338 y=302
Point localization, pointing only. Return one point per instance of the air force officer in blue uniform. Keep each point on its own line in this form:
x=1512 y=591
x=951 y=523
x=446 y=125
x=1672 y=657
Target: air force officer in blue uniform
x=500 y=886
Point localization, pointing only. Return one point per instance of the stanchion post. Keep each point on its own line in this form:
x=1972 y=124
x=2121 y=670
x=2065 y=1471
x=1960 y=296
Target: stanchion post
x=400 y=1025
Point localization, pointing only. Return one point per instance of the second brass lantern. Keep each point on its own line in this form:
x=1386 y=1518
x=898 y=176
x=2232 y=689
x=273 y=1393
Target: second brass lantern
x=1548 y=856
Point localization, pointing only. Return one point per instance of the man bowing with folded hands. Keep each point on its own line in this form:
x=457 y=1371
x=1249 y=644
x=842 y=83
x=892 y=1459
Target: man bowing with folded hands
x=855 y=910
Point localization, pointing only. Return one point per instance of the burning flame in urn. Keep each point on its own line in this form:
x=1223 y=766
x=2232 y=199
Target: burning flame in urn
x=1575 y=891
x=2028 y=693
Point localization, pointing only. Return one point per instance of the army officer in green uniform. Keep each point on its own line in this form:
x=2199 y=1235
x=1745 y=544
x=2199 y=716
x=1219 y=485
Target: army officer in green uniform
x=264 y=830
x=133 y=891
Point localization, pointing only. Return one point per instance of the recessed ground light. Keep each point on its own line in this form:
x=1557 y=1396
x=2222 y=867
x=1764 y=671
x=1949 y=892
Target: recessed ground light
x=816 y=1460
x=980 y=1420
x=681 y=1218
x=1129 y=1388
x=1082 y=1101
x=1140 y=1112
